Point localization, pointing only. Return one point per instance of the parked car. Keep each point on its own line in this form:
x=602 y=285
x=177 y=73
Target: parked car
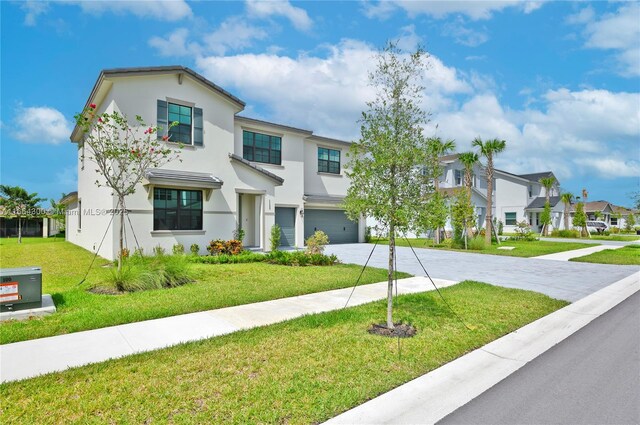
x=597 y=226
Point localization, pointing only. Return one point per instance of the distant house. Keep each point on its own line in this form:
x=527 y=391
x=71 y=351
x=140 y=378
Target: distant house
x=31 y=227
x=620 y=216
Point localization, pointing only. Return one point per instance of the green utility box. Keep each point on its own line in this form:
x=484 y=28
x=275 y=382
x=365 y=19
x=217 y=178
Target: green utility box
x=20 y=288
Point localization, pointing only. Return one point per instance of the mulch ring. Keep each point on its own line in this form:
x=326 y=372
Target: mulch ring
x=400 y=330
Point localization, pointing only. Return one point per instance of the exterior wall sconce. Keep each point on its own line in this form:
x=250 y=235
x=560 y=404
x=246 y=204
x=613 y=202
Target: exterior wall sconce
x=301 y=213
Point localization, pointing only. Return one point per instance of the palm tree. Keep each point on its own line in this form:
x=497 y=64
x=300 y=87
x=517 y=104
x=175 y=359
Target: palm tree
x=18 y=203
x=488 y=149
x=566 y=198
x=438 y=148
x=468 y=160
x=547 y=183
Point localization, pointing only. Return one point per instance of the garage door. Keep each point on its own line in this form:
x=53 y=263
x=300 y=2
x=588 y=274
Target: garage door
x=333 y=222
x=286 y=219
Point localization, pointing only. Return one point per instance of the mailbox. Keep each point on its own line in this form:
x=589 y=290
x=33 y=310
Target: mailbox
x=20 y=288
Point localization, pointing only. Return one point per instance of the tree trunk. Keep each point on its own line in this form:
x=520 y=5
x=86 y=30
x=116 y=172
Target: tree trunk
x=121 y=206
x=566 y=217
x=467 y=183
x=489 y=223
x=19 y=230
x=436 y=185
x=392 y=249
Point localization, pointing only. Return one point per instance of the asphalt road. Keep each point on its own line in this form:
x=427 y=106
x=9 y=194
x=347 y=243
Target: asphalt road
x=592 y=377
x=563 y=280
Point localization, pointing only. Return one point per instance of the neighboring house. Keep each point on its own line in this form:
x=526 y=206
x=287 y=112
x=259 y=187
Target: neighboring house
x=235 y=171
x=604 y=209
x=37 y=226
x=620 y=215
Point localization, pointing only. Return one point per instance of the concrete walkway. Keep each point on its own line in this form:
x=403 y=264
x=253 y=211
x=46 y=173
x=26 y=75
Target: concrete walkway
x=27 y=359
x=589 y=240
x=567 y=255
x=433 y=396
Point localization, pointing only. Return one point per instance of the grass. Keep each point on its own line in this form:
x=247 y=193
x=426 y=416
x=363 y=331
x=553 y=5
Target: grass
x=64 y=264
x=522 y=248
x=628 y=255
x=305 y=370
x=618 y=238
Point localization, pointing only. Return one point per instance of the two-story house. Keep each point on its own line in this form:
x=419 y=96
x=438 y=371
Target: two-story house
x=234 y=171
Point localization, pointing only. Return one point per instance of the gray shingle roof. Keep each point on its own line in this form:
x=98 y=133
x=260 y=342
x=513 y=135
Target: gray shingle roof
x=535 y=177
x=539 y=202
x=279 y=180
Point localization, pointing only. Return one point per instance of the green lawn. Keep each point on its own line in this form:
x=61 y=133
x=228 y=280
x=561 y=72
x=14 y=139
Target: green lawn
x=64 y=264
x=619 y=238
x=628 y=255
x=305 y=370
x=522 y=248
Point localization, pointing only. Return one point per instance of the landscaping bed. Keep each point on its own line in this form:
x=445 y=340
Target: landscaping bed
x=522 y=248
x=215 y=286
x=628 y=255
x=305 y=370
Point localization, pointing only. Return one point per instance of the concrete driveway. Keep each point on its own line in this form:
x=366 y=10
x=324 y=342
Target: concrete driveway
x=562 y=280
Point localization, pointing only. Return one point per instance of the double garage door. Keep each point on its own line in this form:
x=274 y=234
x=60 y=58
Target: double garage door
x=333 y=222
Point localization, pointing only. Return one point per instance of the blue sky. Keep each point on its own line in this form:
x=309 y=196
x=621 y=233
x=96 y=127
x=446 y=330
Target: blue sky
x=559 y=81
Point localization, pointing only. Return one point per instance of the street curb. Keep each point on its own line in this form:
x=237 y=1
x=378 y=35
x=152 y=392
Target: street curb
x=431 y=397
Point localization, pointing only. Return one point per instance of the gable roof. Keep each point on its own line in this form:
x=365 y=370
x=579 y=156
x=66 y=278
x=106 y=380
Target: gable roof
x=535 y=177
x=540 y=201
x=272 y=124
x=448 y=158
x=593 y=206
x=277 y=179
x=495 y=170
x=156 y=70
x=622 y=210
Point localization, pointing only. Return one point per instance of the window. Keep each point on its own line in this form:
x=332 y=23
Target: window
x=180 y=133
x=614 y=221
x=510 y=219
x=79 y=214
x=458 y=177
x=175 y=209
x=328 y=161
x=530 y=191
x=261 y=148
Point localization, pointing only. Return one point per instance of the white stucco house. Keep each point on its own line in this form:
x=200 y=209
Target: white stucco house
x=235 y=171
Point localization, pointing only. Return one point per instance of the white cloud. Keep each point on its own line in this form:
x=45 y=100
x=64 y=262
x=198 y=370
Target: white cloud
x=175 y=44
x=41 y=124
x=325 y=93
x=267 y=8
x=463 y=34
x=33 y=9
x=162 y=10
x=617 y=31
x=475 y=10
x=408 y=40
x=233 y=34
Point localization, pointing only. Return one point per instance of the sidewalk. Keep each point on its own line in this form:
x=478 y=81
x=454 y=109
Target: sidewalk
x=27 y=359
x=567 y=255
x=433 y=396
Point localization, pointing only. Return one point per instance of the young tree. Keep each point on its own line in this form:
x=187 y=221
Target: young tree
x=468 y=160
x=462 y=213
x=580 y=218
x=122 y=152
x=17 y=202
x=630 y=222
x=59 y=211
x=567 y=198
x=436 y=148
x=388 y=172
x=488 y=149
x=545 y=217
x=433 y=215
x=547 y=183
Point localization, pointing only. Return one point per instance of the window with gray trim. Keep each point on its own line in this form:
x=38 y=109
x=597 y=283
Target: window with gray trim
x=260 y=147
x=328 y=161
x=180 y=133
x=510 y=219
x=175 y=209
x=458 y=177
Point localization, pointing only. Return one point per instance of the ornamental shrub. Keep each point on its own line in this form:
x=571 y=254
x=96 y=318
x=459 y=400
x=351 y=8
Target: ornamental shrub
x=178 y=249
x=195 y=249
x=275 y=237
x=218 y=247
x=317 y=242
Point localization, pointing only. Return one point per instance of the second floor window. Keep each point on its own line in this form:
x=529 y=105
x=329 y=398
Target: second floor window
x=328 y=161
x=180 y=133
x=458 y=177
x=261 y=148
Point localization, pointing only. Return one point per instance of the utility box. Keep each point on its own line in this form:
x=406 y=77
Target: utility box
x=20 y=288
